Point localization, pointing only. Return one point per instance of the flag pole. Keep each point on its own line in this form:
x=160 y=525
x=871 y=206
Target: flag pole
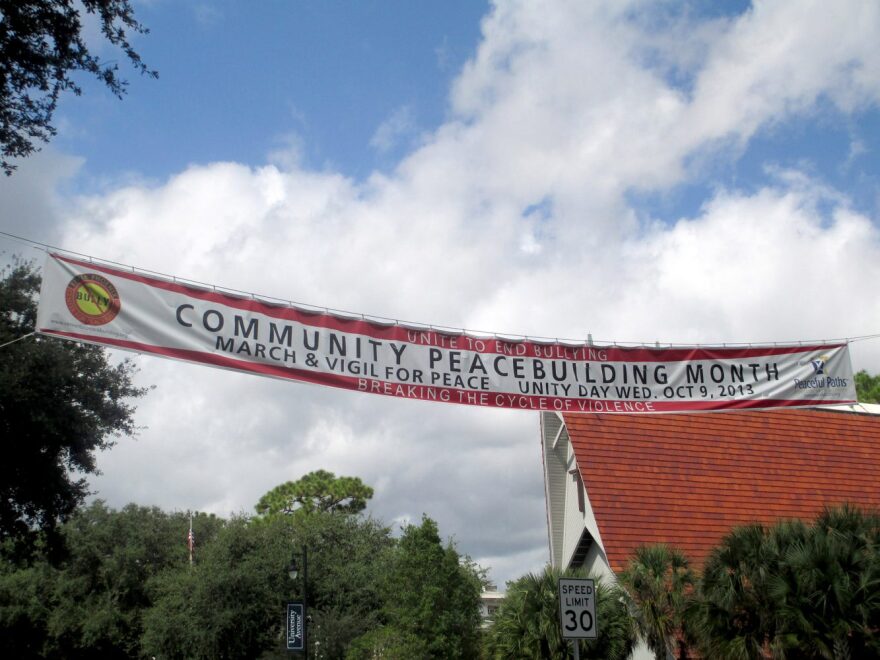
x=190 y=539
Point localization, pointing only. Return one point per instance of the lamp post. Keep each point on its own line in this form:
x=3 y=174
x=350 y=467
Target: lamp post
x=293 y=571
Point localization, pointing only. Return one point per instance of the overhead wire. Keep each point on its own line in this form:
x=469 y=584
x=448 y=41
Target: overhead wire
x=30 y=334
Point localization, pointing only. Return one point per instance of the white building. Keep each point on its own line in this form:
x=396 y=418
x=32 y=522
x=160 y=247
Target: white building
x=490 y=601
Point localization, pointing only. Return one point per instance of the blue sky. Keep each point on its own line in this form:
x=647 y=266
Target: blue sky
x=838 y=149
x=239 y=84
x=636 y=170
x=237 y=80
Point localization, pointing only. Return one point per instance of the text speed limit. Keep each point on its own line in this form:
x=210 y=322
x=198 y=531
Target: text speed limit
x=577 y=608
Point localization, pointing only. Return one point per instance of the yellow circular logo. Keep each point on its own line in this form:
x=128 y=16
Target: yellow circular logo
x=92 y=299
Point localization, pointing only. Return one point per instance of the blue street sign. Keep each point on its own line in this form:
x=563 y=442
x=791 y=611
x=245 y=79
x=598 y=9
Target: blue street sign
x=296 y=626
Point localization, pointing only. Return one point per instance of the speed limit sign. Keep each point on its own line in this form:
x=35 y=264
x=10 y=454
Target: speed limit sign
x=577 y=608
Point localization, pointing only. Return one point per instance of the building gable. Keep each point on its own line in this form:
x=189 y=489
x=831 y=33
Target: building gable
x=686 y=479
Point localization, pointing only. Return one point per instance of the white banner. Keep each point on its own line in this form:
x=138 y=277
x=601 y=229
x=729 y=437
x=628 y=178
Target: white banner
x=91 y=302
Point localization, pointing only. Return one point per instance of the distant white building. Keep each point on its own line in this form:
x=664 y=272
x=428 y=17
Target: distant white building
x=490 y=601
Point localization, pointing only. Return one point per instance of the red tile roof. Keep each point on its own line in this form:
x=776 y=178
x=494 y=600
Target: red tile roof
x=685 y=480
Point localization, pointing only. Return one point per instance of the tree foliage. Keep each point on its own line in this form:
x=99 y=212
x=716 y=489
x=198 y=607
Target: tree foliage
x=127 y=589
x=59 y=402
x=433 y=593
x=41 y=46
x=230 y=604
x=26 y=603
x=658 y=581
x=793 y=590
x=527 y=624
x=867 y=387
x=92 y=603
x=317 y=491
x=348 y=561
x=226 y=606
x=387 y=642
x=829 y=592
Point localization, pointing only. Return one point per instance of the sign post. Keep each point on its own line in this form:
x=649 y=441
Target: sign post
x=296 y=626
x=577 y=610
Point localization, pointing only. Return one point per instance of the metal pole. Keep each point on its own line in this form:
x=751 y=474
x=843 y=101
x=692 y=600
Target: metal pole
x=305 y=602
x=576 y=649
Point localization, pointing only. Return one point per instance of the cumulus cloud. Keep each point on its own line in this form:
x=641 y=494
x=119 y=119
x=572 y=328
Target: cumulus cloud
x=513 y=217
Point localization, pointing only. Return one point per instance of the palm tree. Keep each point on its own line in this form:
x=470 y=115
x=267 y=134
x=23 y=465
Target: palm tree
x=734 y=615
x=793 y=590
x=827 y=590
x=658 y=581
x=527 y=623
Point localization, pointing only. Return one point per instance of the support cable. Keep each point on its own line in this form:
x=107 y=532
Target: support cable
x=434 y=328
x=9 y=343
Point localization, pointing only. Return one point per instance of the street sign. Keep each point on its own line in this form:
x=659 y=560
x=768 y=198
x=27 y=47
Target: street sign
x=296 y=626
x=577 y=608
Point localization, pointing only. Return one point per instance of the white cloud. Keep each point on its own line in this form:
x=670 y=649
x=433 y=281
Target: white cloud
x=393 y=131
x=30 y=201
x=779 y=58
x=289 y=153
x=767 y=267
x=560 y=111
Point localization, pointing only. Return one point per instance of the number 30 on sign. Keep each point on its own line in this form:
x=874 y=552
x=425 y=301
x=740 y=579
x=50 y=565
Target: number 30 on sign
x=577 y=608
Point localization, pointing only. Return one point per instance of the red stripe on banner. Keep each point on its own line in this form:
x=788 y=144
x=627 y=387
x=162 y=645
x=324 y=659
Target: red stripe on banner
x=446 y=394
x=459 y=341
x=275 y=371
